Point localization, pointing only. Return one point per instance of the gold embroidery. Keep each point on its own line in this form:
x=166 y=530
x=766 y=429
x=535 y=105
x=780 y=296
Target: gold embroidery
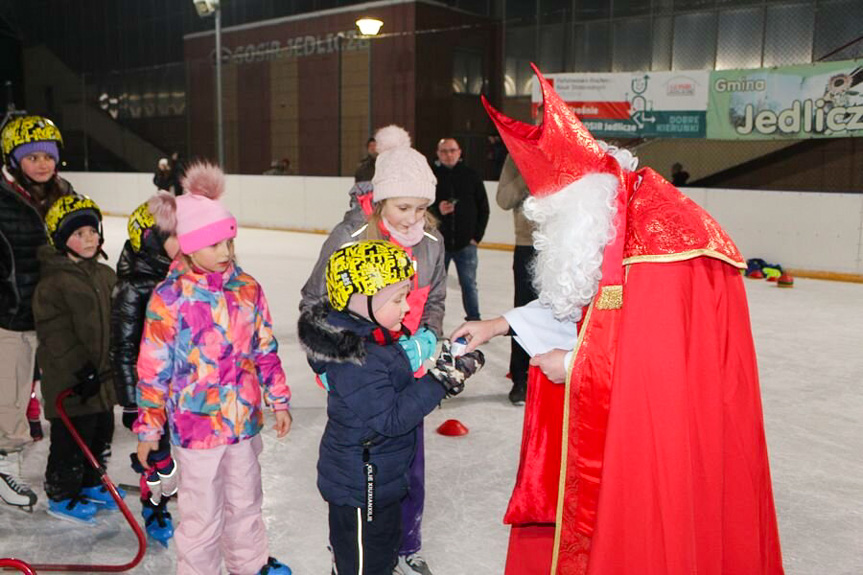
x=558 y=523
x=611 y=297
x=682 y=256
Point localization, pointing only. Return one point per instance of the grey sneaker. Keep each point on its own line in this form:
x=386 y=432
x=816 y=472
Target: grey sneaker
x=412 y=564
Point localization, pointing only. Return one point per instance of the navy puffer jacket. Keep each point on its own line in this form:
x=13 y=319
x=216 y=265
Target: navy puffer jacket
x=374 y=402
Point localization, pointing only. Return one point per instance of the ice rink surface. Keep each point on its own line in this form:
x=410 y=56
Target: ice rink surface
x=810 y=351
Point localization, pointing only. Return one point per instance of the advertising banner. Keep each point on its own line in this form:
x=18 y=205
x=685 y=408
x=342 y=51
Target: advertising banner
x=823 y=100
x=635 y=104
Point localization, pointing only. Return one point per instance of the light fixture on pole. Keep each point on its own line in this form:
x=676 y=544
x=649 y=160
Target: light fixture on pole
x=370 y=27
x=205 y=9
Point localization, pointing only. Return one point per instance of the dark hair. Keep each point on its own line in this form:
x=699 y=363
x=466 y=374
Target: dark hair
x=370 y=140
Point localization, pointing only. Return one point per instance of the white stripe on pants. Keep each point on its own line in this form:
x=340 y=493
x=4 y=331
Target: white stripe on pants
x=220 y=501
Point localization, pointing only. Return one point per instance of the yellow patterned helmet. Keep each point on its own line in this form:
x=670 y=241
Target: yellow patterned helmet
x=68 y=214
x=140 y=222
x=366 y=268
x=23 y=130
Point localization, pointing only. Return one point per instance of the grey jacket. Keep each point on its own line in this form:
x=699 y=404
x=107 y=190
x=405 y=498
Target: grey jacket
x=511 y=193
x=430 y=267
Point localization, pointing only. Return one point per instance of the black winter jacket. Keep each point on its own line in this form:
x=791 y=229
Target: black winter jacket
x=22 y=232
x=374 y=403
x=470 y=218
x=138 y=273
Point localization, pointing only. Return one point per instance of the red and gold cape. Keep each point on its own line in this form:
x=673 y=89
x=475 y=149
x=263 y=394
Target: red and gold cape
x=651 y=459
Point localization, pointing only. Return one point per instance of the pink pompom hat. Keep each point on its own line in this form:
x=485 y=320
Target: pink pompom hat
x=197 y=217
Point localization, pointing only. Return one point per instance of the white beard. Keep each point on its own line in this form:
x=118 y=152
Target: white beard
x=573 y=226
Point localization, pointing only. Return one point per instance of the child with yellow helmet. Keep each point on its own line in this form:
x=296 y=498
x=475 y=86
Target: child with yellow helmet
x=143 y=263
x=72 y=309
x=29 y=185
x=374 y=404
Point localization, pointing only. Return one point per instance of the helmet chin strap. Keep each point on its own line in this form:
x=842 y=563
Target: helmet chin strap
x=369 y=307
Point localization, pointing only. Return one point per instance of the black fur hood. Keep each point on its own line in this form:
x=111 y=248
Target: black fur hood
x=330 y=336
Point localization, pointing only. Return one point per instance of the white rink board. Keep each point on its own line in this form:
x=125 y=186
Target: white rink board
x=801 y=230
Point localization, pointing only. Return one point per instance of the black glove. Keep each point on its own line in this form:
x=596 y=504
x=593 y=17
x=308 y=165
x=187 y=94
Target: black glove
x=130 y=414
x=88 y=382
x=452 y=372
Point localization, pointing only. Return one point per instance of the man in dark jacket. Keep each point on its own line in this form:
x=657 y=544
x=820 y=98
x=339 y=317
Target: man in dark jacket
x=462 y=205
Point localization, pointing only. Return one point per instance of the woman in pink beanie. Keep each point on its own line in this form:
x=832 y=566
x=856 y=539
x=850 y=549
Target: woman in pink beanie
x=207 y=350
x=395 y=208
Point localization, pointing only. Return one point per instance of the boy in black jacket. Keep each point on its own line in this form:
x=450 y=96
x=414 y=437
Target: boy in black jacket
x=144 y=263
x=374 y=404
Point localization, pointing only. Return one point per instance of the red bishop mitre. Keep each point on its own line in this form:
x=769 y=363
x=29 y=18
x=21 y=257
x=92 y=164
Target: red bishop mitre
x=557 y=152
x=662 y=224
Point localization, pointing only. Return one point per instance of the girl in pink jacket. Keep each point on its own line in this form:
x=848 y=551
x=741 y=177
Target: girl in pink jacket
x=207 y=351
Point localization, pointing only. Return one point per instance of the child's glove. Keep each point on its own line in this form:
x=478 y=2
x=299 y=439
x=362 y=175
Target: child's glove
x=419 y=347
x=159 y=481
x=452 y=372
x=88 y=382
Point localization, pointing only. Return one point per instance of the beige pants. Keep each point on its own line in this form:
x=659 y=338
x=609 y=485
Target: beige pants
x=17 y=358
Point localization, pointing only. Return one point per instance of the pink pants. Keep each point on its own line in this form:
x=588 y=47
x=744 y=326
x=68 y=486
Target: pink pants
x=220 y=501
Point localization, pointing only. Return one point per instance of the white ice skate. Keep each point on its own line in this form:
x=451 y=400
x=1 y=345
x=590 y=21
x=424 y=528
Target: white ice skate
x=13 y=490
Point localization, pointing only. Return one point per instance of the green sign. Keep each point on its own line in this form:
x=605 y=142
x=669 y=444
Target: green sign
x=822 y=100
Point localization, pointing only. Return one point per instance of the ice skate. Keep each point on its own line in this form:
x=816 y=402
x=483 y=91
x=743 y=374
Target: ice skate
x=518 y=393
x=75 y=509
x=13 y=490
x=101 y=497
x=412 y=564
x=158 y=522
x=273 y=567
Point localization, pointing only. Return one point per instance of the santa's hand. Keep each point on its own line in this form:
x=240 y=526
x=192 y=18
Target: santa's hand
x=479 y=332
x=552 y=364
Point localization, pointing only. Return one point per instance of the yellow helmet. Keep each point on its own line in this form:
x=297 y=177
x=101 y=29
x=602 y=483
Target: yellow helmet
x=366 y=268
x=68 y=214
x=22 y=130
x=140 y=221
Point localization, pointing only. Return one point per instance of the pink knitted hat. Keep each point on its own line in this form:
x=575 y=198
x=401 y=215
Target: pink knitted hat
x=196 y=217
x=400 y=171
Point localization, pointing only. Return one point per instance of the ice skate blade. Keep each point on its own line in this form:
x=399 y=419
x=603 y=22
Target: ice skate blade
x=70 y=519
x=26 y=508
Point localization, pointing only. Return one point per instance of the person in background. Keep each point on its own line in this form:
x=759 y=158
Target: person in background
x=278 y=168
x=143 y=263
x=366 y=168
x=72 y=309
x=163 y=178
x=511 y=193
x=462 y=203
x=29 y=185
x=679 y=176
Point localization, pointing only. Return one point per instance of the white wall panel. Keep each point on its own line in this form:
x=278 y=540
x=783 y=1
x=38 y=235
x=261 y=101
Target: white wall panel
x=810 y=231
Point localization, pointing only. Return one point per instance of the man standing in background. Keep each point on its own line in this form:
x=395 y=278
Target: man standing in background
x=462 y=206
x=511 y=193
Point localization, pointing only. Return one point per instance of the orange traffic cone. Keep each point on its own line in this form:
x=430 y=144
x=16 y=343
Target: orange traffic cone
x=452 y=428
x=785 y=280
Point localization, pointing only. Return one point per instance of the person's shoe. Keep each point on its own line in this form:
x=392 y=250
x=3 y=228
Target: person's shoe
x=518 y=393
x=412 y=564
x=13 y=490
x=74 y=509
x=273 y=567
x=101 y=497
x=158 y=523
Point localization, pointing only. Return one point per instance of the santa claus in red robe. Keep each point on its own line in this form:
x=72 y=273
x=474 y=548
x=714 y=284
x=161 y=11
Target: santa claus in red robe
x=643 y=449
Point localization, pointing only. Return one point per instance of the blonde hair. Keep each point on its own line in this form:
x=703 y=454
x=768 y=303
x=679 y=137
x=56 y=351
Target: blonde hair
x=187 y=258
x=373 y=231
